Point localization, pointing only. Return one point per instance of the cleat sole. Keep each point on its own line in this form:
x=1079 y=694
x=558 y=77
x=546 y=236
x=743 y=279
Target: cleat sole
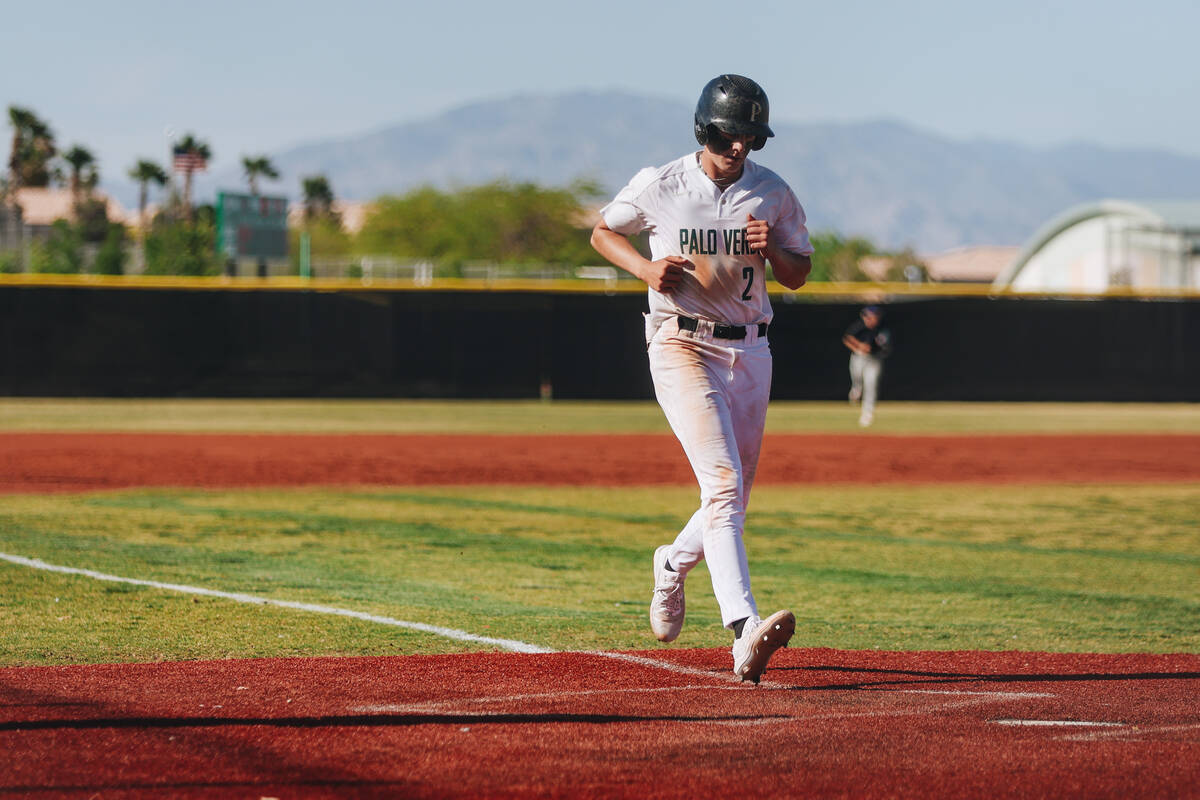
x=780 y=628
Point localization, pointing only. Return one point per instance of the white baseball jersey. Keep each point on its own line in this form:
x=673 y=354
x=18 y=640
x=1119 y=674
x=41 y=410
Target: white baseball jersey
x=688 y=215
x=713 y=391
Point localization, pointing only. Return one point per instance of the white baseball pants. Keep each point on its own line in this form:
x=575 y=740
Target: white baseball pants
x=714 y=393
x=864 y=382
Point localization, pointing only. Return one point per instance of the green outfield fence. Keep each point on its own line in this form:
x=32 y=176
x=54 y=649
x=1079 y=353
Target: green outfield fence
x=147 y=336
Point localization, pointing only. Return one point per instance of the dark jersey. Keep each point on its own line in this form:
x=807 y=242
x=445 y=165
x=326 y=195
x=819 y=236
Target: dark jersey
x=880 y=339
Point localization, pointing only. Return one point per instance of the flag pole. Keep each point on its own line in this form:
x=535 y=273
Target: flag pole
x=171 y=188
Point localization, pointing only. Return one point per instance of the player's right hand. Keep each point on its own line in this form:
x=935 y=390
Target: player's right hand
x=666 y=274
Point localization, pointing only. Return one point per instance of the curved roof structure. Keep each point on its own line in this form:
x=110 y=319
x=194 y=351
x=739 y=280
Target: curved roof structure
x=1165 y=216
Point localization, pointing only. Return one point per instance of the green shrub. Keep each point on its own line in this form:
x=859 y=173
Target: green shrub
x=110 y=259
x=181 y=248
x=91 y=219
x=500 y=222
x=61 y=253
x=10 y=262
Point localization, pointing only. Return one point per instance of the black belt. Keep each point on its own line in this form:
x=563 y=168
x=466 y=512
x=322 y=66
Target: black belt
x=721 y=331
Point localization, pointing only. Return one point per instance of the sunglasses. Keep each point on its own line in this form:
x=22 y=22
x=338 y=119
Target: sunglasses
x=721 y=142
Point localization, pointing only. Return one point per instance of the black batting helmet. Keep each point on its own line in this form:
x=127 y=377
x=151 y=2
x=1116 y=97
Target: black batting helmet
x=735 y=105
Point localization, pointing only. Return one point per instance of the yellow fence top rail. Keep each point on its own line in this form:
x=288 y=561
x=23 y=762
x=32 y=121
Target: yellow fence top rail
x=862 y=291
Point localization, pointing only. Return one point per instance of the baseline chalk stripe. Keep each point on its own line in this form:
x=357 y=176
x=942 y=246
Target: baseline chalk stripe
x=452 y=705
x=682 y=670
x=1129 y=733
x=449 y=706
x=1058 y=723
x=966 y=693
x=448 y=633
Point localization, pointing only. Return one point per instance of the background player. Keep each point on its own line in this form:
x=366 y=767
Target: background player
x=715 y=219
x=869 y=345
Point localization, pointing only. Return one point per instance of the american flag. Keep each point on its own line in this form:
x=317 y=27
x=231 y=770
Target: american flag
x=188 y=161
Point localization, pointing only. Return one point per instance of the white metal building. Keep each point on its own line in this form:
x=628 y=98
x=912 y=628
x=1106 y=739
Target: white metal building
x=1112 y=244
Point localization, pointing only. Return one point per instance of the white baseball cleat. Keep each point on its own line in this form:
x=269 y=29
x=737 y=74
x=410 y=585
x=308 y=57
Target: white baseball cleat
x=666 y=607
x=757 y=644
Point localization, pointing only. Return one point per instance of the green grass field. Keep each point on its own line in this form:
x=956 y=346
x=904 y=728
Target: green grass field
x=517 y=416
x=1062 y=568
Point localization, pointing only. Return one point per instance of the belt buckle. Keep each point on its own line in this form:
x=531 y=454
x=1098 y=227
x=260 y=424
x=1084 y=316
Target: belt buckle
x=719 y=329
x=733 y=332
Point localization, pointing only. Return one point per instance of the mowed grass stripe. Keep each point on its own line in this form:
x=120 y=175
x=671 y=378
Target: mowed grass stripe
x=461 y=503
x=439 y=536
x=571 y=416
x=994 y=547
x=985 y=588
x=568 y=568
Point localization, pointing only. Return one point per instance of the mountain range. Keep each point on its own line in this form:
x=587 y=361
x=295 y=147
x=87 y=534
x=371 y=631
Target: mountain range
x=893 y=183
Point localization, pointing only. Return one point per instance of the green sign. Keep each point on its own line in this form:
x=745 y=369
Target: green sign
x=251 y=226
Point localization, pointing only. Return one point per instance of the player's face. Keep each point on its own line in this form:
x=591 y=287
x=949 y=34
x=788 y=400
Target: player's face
x=869 y=319
x=728 y=151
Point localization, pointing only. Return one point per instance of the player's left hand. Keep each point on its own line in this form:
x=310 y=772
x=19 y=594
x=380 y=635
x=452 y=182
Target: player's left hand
x=758 y=234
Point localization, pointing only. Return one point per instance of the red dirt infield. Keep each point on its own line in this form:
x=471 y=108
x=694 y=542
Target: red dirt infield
x=48 y=462
x=667 y=723
x=673 y=724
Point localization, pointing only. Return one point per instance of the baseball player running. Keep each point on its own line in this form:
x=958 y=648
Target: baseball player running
x=869 y=345
x=715 y=219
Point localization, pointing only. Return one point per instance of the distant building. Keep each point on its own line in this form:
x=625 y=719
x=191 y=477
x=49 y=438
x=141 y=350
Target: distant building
x=976 y=264
x=980 y=264
x=1112 y=244
x=40 y=207
x=29 y=216
x=353 y=215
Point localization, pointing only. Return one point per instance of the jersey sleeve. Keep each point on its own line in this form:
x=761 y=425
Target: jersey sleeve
x=629 y=212
x=792 y=226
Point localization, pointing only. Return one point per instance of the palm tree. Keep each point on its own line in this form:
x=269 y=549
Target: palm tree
x=318 y=197
x=253 y=166
x=191 y=155
x=20 y=119
x=32 y=149
x=79 y=158
x=145 y=173
x=41 y=150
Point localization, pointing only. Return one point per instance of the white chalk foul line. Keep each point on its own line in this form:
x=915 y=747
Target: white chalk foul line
x=237 y=597
x=454 y=705
x=524 y=647
x=966 y=692
x=447 y=633
x=874 y=714
x=666 y=665
x=1130 y=733
x=451 y=706
x=475 y=706
x=1058 y=723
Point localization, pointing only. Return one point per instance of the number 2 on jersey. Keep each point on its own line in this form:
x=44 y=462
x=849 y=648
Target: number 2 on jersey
x=748 y=274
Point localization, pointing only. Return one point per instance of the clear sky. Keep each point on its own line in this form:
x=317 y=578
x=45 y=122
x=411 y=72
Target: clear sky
x=255 y=77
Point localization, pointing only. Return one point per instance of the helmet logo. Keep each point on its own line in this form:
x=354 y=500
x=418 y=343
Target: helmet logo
x=755 y=110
